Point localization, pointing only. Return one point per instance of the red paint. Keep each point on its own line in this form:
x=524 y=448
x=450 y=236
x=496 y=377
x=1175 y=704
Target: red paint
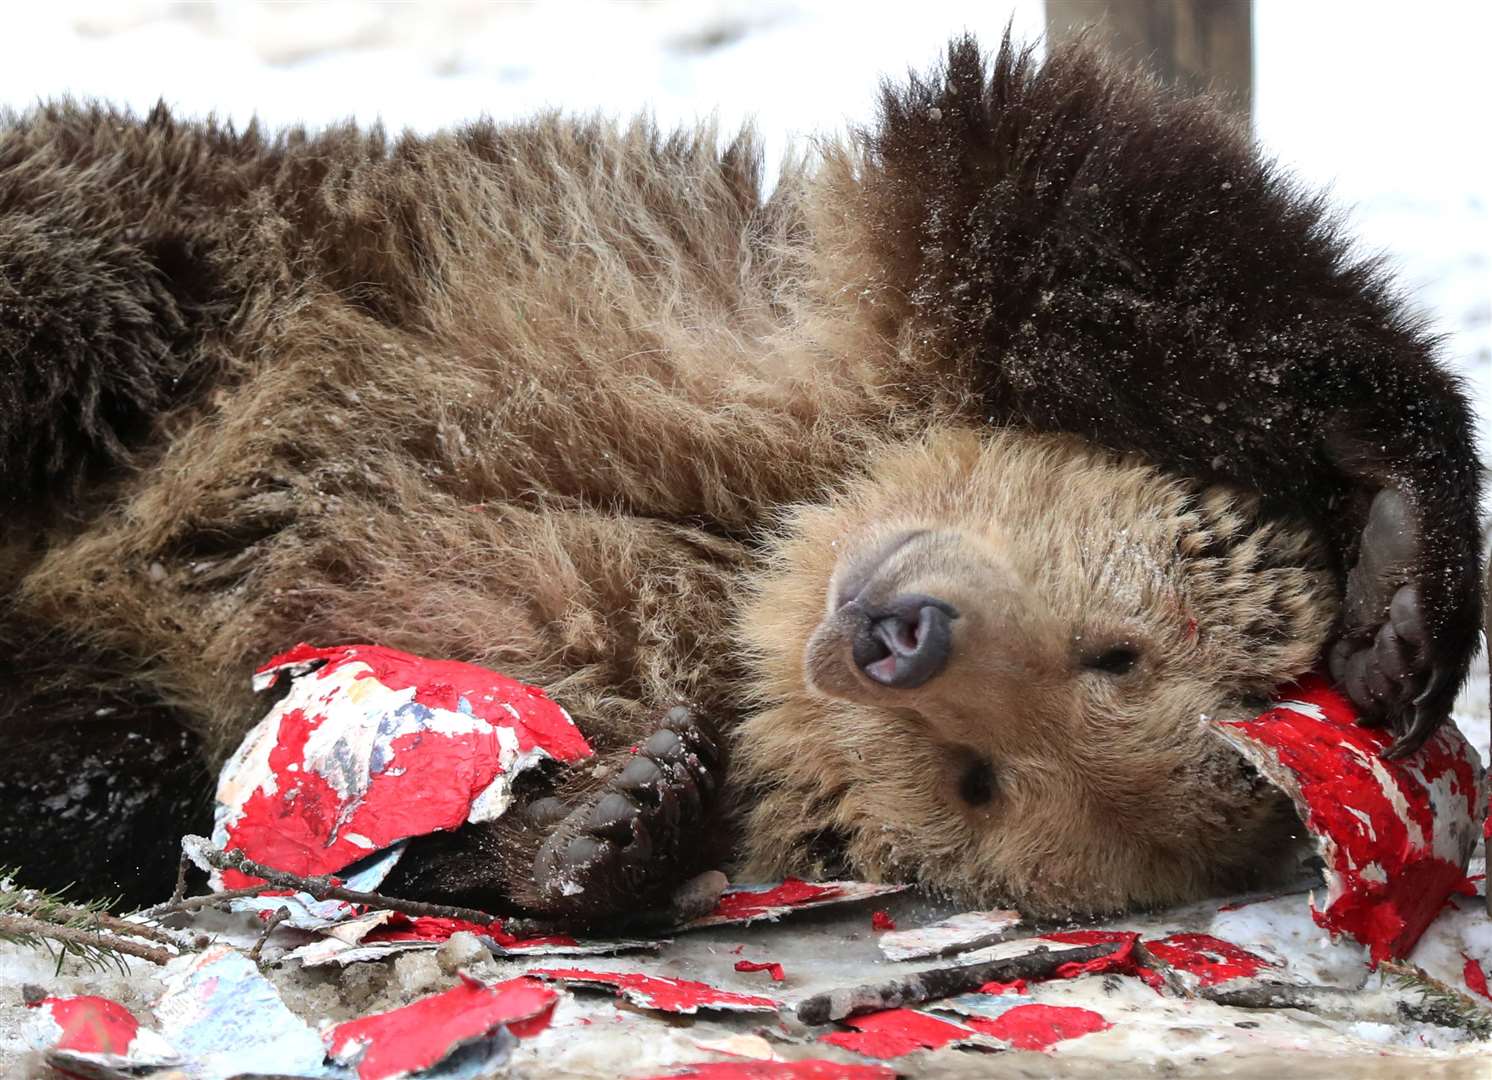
x=774 y=969
x=304 y=825
x=1347 y=794
x=791 y=893
x=425 y=1032
x=1036 y=1027
x=803 y=1069
x=668 y=995
x=430 y=928
x=1123 y=961
x=1211 y=959
x=893 y=1032
x=91 y=1025
x=1015 y=986
x=1474 y=977
x=879 y=920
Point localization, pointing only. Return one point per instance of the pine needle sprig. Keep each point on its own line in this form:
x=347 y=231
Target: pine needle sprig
x=1439 y=1004
x=83 y=929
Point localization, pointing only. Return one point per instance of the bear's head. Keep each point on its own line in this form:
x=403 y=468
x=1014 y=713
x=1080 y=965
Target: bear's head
x=988 y=665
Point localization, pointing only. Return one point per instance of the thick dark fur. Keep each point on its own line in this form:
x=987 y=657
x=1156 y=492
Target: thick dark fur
x=262 y=389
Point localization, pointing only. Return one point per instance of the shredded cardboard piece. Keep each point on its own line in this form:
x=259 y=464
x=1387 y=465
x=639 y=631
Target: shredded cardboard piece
x=478 y=1020
x=770 y=967
x=893 y=1033
x=666 y=995
x=222 y=1014
x=393 y=933
x=95 y=1030
x=1396 y=836
x=745 y=904
x=969 y=930
x=372 y=746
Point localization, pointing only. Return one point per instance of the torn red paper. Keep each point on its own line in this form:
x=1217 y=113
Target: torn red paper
x=372 y=746
x=1038 y=1027
x=401 y=927
x=1474 y=977
x=773 y=969
x=881 y=921
x=891 y=1033
x=1124 y=961
x=1211 y=960
x=749 y=903
x=803 y=1069
x=1395 y=835
x=98 y=1031
x=667 y=995
x=408 y=1040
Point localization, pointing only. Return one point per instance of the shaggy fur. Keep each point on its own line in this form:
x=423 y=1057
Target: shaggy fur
x=533 y=396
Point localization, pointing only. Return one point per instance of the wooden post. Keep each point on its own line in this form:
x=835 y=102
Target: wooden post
x=1194 y=44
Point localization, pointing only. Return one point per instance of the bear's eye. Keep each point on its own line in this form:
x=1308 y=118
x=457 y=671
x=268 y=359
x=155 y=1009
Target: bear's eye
x=1116 y=660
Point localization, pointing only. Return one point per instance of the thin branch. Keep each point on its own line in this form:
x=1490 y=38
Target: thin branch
x=23 y=926
x=178 y=893
x=324 y=888
x=937 y=983
x=197 y=903
x=280 y=915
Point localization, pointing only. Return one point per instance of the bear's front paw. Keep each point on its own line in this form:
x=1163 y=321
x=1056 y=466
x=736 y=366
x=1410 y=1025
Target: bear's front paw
x=628 y=846
x=1387 y=661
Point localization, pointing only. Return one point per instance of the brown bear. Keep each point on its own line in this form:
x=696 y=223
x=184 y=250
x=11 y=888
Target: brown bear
x=770 y=490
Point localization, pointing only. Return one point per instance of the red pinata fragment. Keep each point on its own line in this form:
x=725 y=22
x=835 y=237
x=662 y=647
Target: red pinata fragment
x=402 y=927
x=774 y=969
x=748 y=903
x=1122 y=962
x=880 y=920
x=1211 y=959
x=1037 y=1027
x=668 y=995
x=372 y=746
x=90 y=1025
x=802 y=1069
x=408 y=1040
x=1474 y=977
x=893 y=1032
x=1395 y=835
x=791 y=893
x=1016 y=986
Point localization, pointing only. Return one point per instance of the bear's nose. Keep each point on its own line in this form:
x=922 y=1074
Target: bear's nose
x=906 y=641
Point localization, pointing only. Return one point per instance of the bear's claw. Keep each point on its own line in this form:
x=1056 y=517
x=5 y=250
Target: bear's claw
x=1386 y=659
x=632 y=843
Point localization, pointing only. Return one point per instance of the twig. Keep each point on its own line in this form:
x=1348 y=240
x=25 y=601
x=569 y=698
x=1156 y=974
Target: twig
x=937 y=983
x=196 y=903
x=323 y=887
x=178 y=893
x=21 y=925
x=280 y=915
x=1313 y=999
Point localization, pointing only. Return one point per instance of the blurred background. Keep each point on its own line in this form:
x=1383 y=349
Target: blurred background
x=1384 y=101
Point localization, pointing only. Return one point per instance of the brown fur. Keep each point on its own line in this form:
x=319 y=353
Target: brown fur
x=536 y=396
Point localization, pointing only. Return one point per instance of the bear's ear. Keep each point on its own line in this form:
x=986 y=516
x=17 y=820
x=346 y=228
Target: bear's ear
x=1262 y=588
